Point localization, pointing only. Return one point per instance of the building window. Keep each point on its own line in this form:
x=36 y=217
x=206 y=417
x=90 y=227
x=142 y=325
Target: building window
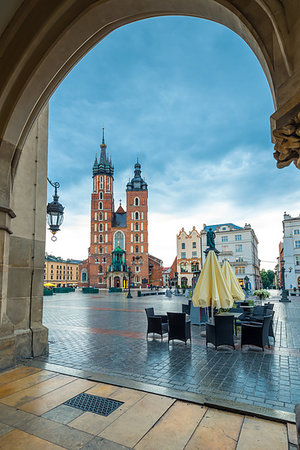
x=100 y=238
x=131 y=249
x=83 y=276
x=101 y=182
x=108 y=184
x=95 y=239
x=194 y=245
x=100 y=280
x=239 y=247
x=100 y=227
x=297 y=231
x=183 y=255
x=105 y=214
x=95 y=216
x=194 y=254
x=100 y=250
x=136 y=238
x=137 y=269
x=239 y=259
x=297 y=260
x=142 y=226
x=224 y=238
x=131 y=237
x=238 y=237
x=119 y=240
x=100 y=216
x=100 y=269
x=136 y=227
x=297 y=244
x=142 y=249
x=137 y=215
x=136 y=201
x=100 y=205
x=106 y=238
x=131 y=226
x=51 y=277
x=195 y=267
x=239 y=270
x=142 y=237
x=142 y=215
x=100 y=196
x=136 y=249
x=183 y=245
x=183 y=267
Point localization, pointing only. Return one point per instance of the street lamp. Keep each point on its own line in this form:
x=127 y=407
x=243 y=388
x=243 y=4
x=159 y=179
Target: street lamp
x=284 y=298
x=129 y=276
x=55 y=212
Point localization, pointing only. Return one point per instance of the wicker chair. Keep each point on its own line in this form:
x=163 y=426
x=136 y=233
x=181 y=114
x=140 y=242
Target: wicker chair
x=256 y=333
x=150 y=313
x=221 y=333
x=186 y=309
x=179 y=327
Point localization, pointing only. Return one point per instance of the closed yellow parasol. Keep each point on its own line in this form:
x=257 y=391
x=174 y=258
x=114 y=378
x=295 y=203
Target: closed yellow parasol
x=211 y=288
x=49 y=285
x=233 y=284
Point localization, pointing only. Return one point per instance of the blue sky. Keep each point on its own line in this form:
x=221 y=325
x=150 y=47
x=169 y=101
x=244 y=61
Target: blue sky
x=190 y=98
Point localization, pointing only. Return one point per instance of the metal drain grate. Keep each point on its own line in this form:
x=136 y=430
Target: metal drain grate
x=94 y=404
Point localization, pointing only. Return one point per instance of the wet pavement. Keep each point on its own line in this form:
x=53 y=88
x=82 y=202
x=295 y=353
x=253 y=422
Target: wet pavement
x=106 y=334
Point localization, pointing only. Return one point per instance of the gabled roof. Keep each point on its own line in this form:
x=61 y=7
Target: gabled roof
x=120 y=210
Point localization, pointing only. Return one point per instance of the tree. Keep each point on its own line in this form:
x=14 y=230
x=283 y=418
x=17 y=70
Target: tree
x=267 y=278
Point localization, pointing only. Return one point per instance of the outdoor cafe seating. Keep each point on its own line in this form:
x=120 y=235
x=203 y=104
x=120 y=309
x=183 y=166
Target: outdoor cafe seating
x=156 y=323
x=221 y=332
x=179 y=327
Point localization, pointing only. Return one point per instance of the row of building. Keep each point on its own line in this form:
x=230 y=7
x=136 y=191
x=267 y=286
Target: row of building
x=287 y=270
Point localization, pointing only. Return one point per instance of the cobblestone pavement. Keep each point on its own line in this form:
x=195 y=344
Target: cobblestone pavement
x=105 y=334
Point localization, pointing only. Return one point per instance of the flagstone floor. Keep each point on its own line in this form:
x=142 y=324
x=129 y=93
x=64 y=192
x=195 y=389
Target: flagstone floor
x=33 y=416
x=105 y=335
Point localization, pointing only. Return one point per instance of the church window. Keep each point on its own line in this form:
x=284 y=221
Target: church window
x=100 y=205
x=101 y=182
x=136 y=249
x=83 y=275
x=136 y=201
x=137 y=269
x=142 y=249
x=142 y=226
x=100 y=269
x=100 y=227
x=104 y=260
x=100 y=250
x=100 y=238
x=119 y=240
x=108 y=184
x=142 y=237
x=137 y=279
x=101 y=195
x=100 y=216
x=136 y=226
x=100 y=279
x=136 y=215
x=136 y=238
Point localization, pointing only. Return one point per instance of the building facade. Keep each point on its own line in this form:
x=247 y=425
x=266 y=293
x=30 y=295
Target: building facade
x=291 y=251
x=239 y=246
x=118 y=239
x=61 y=272
x=155 y=271
x=188 y=256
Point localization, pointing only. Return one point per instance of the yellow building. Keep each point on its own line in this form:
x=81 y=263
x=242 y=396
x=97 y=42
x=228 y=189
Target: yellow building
x=61 y=272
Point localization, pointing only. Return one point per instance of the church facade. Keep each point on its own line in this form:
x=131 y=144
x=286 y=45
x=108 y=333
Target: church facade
x=118 y=238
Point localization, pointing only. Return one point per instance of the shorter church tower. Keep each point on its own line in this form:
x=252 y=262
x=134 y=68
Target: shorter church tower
x=137 y=227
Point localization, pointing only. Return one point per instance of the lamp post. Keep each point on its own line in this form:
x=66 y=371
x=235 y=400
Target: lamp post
x=284 y=298
x=129 y=276
x=55 y=212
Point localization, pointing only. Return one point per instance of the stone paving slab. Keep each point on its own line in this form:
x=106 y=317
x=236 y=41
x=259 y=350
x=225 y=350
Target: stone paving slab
x=105 y=335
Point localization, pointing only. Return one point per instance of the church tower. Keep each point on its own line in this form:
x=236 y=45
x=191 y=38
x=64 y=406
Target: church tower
x=102 y=210
x=137 y=228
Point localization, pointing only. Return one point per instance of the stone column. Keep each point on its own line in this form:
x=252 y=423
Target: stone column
x=27 y=243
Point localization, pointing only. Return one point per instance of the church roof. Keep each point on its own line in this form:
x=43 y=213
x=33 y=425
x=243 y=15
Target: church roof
x=137 y=183
x=120 y=210
x=119 y=220
x=104 y=165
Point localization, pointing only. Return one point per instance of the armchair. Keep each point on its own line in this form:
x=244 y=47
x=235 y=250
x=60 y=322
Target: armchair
x=256 y=333
x=179 y=328
x=221 y=333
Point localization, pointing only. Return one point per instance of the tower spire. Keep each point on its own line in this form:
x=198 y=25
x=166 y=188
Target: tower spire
x=103 y=143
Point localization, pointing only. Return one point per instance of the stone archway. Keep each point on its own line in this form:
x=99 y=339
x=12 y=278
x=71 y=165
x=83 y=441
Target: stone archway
x=40 y=43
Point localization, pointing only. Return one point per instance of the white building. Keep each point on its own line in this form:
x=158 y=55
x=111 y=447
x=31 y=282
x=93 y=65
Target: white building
x=291 y=251
x=188 y=256
x=239 y=246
